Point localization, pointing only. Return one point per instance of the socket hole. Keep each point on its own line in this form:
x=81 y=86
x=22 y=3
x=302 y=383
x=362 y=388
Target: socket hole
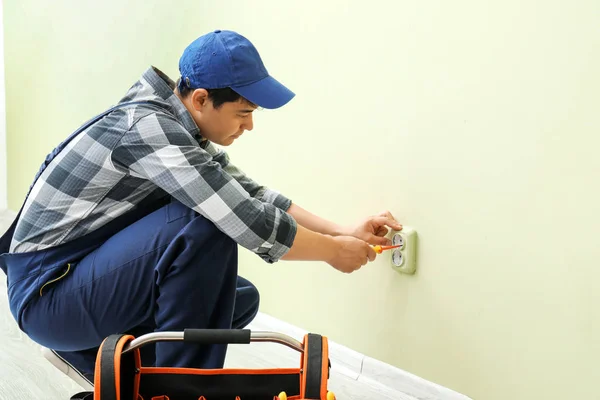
x=398 y=240
x=397 y=258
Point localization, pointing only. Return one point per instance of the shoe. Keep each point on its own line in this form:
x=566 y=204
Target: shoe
x=67 y=369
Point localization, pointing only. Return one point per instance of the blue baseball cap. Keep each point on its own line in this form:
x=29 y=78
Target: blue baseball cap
x=226 y=59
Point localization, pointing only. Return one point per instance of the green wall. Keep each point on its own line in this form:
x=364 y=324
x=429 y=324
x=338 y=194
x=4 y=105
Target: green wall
x=476 y=123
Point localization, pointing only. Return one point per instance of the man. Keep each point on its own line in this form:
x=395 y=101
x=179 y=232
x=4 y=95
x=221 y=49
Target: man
x=132 y=224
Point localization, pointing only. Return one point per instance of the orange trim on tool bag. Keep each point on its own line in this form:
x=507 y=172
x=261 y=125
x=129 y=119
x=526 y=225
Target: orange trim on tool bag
x=116 y=355
x=137 y=376
x=304 y=365
x=232 y=371
x=97 y=376
x=325 y=368
x=309 y=370
x=118 y=350
x=117 y=362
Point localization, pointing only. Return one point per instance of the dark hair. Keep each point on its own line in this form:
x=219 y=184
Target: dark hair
x=217 y=96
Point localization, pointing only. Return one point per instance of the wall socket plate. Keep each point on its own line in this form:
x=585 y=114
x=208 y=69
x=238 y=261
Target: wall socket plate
x=404 y=258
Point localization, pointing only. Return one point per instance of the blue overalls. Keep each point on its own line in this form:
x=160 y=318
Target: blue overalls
x=160 y=267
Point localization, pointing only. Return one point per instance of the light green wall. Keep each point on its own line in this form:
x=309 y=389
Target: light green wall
x=477 y=123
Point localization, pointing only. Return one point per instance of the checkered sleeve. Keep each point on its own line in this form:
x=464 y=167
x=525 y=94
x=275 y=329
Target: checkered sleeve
x=260 y=192
x=159 y=149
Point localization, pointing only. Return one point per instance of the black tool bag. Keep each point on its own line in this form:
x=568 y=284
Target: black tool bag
x=120 y=375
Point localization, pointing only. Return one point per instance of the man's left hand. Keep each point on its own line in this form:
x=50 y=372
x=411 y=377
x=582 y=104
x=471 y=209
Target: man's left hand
x=373 y=229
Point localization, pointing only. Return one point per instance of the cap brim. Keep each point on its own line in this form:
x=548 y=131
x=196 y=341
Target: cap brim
x=266 y=93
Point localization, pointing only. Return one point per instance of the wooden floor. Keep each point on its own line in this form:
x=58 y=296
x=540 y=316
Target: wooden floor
x=26 y=375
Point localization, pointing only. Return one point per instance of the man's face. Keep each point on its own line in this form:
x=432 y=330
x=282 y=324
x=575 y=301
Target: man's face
x=221 y=125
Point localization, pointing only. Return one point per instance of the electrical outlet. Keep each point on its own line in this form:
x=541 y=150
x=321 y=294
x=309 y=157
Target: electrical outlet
x=404 y=258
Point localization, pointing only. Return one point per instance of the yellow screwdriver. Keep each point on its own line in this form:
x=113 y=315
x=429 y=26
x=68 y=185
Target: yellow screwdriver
x=379 y=249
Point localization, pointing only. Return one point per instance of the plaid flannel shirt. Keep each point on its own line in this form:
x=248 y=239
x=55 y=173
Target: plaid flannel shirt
x=139 y=153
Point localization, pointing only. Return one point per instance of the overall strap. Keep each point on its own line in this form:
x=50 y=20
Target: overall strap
x=6 y=239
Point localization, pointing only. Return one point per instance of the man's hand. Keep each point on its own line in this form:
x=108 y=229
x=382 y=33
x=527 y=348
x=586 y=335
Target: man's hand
x=373 y=229
x=351 y=254
x=345 y=249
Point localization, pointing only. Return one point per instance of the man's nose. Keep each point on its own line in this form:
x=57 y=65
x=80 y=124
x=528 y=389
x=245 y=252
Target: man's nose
x=249 y=123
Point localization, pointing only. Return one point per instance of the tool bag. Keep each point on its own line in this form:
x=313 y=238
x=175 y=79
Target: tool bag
x=119 y=374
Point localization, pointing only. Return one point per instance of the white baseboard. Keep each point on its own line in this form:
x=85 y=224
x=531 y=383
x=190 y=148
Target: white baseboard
x=361 y=368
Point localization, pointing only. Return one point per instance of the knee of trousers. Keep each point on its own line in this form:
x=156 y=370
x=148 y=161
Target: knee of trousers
x=254 y=300
x=249 y=300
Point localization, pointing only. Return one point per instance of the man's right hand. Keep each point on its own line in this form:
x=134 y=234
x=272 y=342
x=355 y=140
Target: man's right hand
x=344 y=253
x=351 y=254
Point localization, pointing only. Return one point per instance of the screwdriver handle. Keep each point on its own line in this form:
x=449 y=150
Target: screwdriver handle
x=379 y=249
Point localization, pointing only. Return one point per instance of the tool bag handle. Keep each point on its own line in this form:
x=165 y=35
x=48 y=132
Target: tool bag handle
x=215 y=336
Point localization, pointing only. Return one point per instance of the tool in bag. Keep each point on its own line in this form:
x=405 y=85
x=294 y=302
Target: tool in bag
x=119 y=374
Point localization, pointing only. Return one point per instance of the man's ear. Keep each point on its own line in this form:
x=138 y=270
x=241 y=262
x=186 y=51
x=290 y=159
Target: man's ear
x=199 y=99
